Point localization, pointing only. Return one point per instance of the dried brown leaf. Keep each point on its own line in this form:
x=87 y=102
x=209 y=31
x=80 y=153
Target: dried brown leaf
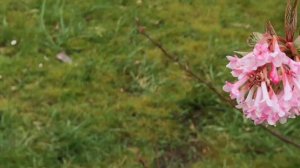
x=270 y=29
x=291 y=19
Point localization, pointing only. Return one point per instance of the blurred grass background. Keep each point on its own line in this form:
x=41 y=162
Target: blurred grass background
x=121 y=104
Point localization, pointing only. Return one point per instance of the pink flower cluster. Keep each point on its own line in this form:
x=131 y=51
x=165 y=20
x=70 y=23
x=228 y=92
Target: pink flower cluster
x=268 y=86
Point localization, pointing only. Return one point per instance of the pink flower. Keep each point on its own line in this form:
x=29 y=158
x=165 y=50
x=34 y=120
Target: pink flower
x=268 y=87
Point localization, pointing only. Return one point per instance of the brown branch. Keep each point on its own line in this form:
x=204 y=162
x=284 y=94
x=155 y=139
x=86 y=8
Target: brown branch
x=281 y=136
x=186 y=68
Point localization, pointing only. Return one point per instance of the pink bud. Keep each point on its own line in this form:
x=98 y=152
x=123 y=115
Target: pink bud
x=274 y=77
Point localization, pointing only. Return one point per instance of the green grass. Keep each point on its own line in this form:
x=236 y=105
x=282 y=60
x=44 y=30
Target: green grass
x=121 y=103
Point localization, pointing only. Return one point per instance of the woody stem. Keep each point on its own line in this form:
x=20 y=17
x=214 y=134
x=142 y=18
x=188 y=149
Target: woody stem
x=185 y=67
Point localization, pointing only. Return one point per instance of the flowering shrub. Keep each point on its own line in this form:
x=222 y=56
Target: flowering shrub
x=268 y=78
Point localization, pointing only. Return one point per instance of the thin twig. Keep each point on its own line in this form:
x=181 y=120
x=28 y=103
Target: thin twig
x=186 y=68
x=281 y=137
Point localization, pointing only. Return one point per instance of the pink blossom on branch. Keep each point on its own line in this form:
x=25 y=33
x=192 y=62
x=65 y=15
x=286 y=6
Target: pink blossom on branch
x=268 y=85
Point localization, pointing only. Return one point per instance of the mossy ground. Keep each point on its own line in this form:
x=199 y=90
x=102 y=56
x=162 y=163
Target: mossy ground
x=121 y=103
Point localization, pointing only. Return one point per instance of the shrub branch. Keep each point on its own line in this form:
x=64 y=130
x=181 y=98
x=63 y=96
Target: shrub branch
x=184 y=66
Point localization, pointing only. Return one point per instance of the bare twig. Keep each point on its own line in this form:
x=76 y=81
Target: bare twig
x=186 y=68
x=281 y=137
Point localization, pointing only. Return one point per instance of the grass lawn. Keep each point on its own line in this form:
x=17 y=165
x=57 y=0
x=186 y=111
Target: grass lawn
x=121 y=104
